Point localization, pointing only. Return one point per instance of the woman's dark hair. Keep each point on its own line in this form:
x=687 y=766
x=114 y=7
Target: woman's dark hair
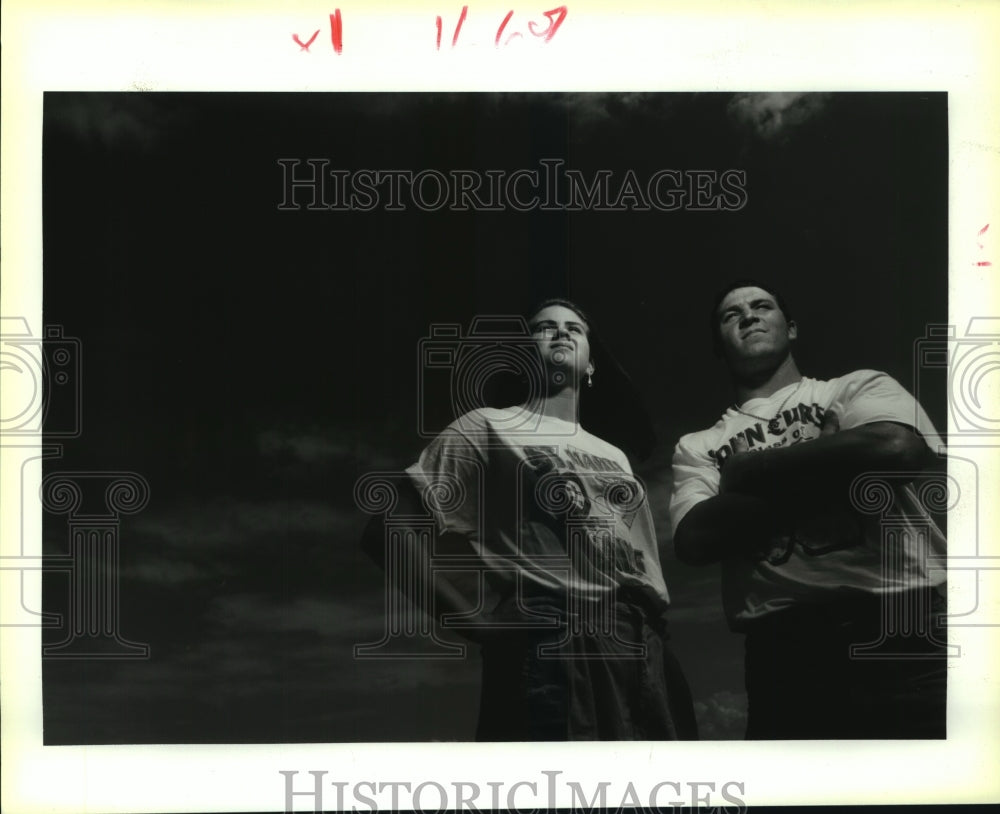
x=744 y=282
x=612 y=409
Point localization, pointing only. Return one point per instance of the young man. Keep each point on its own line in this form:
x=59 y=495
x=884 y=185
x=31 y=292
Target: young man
x=839 y=597
x=556 y=563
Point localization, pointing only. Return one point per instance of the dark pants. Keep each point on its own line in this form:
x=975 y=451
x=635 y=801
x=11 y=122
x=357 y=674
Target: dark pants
x=550 y=685
x=803 y=681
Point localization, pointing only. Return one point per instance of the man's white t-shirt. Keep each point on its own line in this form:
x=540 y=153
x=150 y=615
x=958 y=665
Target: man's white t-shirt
x=543 y=501
x=880 y=539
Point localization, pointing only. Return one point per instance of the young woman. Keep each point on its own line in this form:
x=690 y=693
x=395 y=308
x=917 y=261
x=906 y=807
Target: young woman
x=563 y=587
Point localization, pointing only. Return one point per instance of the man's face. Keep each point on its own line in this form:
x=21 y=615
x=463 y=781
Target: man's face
x=562 y=339
x=752 y=329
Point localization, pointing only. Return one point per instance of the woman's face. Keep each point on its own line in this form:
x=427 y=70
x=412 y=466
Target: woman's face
x=562 y=339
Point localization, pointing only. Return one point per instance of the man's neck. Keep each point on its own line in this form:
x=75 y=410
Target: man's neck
x=562 y=404
x=767 y=382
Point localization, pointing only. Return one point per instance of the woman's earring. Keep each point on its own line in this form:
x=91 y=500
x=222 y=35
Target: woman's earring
x=590 y=379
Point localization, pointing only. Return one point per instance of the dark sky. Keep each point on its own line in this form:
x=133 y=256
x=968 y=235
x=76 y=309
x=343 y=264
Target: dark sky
x=252 y=363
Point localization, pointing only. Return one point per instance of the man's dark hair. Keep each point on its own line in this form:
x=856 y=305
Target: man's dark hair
x=572 y=306
x=743 y=282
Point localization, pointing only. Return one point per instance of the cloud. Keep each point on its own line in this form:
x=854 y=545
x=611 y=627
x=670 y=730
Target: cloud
x=325 y=631
x=224 y=522
x=315 y=447
x=277 y=546
x=113 y=120
x=580 y=108
x=722 y=717
x=262 y=669
x=256 y=642
x=586 y=108
x=770 y=116
x=167 y=572
x=323 y=616
x=304 y=447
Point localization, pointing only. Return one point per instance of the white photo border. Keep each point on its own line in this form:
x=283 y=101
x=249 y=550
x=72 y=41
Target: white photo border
x=708 y=46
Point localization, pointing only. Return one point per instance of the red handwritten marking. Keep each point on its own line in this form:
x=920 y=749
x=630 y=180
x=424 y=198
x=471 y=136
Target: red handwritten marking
x=458 y=28
x=554 y=24
x=304 y=46
x=503 y=25
x=555 y=17
x=337 y=31
x=980 y=245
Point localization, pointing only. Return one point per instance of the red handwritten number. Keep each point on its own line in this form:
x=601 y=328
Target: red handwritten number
x=337 y=31
x=304 y=46
x=555 y=18
x=458 y=28
x=503 y=25
x=554 y=24
x=981 y=233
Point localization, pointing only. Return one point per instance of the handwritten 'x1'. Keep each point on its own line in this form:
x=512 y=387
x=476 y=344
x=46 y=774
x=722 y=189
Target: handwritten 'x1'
x=305 y=45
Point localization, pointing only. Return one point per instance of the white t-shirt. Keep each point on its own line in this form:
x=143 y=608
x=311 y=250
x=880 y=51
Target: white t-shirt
x=833 y=552
x=543 y=501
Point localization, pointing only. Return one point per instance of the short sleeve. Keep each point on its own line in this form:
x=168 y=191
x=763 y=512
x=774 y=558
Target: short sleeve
x=868 y=396
x=696 y=478
x=448 y=476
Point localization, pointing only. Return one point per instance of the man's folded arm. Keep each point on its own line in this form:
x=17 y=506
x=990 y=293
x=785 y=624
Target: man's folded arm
x=723 y=526
x=758 y=490
x=826 y=465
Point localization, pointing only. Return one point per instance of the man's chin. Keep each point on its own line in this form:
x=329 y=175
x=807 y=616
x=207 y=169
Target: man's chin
x=762 y=360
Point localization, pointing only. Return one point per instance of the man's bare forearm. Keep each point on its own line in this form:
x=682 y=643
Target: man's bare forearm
x=724 y=526
x=825 y=466
x=757 y=488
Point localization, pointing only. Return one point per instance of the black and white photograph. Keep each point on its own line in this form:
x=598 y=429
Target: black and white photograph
x=277 y=297
x=435 y=418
